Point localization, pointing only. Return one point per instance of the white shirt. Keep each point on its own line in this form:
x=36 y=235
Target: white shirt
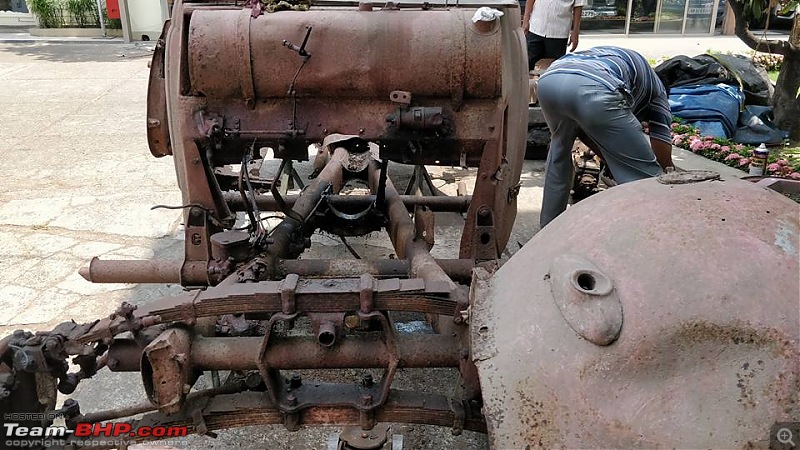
x=553 y=18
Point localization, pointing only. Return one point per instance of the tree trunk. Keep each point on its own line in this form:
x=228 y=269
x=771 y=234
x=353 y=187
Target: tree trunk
x=785 y=102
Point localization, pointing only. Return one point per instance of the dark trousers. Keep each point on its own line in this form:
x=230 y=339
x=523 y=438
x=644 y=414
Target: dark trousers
x=541 y=47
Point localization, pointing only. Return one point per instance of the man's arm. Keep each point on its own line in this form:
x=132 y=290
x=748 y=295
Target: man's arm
x=576 y=28
x=526 y=17
x=663 y=152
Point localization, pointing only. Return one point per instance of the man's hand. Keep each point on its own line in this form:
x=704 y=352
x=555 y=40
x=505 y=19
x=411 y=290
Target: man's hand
x=572 y=43
x=526 y=24
x=576 y=28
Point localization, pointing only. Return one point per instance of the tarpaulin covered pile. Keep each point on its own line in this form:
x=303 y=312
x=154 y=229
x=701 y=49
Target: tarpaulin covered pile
x=723 y=96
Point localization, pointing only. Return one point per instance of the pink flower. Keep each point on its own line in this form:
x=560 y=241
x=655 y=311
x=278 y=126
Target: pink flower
x=744 y=161
x=696 y=146
x=715 y=146
x=738 y=147
x=709 y=138
x=678 y=139
x=674 y=125
x=733 y=156
x=782 y=162
x=724 y=149
x=795 y=175
x=774 y=167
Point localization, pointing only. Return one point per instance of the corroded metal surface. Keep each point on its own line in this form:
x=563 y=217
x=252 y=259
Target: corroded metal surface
x=708 y=354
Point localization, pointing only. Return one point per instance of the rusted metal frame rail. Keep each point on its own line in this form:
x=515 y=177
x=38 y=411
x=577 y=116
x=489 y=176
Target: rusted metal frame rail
x=224 y=411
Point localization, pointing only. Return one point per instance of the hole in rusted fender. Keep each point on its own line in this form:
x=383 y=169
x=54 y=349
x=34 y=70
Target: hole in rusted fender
x=586 y=281
x=591 y=282
x=483 y=330
x=485 y=238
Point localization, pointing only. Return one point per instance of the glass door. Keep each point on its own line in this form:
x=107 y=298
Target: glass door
x=642 y=16
x=670 y=16
x=604 y=16
x=698 y=16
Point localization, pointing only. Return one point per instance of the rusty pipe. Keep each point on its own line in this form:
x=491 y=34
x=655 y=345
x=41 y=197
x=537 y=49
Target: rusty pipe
x=132 y=271
x=326 y=333
x=117 y=271
x=286 y=232
x=402 y=233
x=304 y=352
x=439 y=203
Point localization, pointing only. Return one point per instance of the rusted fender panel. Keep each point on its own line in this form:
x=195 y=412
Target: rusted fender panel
x=157 y=123
x=354 y=54
x=649 y=315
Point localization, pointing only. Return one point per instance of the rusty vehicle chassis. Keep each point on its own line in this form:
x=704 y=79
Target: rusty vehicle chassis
x=229 y=84
x=170 y=340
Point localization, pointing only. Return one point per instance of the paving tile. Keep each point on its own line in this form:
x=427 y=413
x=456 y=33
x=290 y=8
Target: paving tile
x=13 y=301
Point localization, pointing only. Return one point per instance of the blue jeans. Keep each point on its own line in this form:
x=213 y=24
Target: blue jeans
x=571 y=102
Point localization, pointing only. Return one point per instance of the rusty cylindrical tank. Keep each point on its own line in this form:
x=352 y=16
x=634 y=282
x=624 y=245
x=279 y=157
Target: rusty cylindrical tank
x=650 y=315
x=223 y=81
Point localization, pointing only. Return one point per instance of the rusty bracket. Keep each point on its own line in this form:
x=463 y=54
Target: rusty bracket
x=484 y=239
x=401 y=97
x=194 y=271
x=459 y=416
x=500 y=173
x=288 y=288
x=166 y=370
x=366 y=292
x=271 y=377
x=198 y=419
x=292 y=395
x=513 y=192
x=424 y=225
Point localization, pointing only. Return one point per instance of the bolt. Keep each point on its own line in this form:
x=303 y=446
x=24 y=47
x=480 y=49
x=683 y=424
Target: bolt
x=366 y=399
x=360 y=131
x=252 y=380
x=367 y=380
x=291 y=400
x=364 y=435
x=295 y=382
x=196 y=239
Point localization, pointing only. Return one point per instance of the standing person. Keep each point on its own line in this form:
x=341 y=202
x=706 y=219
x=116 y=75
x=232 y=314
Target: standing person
x=547 y=23
x=605 y=93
